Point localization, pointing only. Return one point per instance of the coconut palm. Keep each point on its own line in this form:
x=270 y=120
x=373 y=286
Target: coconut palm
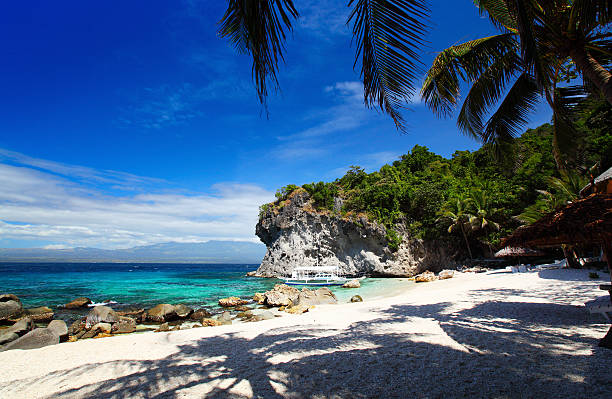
x=388 y=35
x=540 y=43
x=456 y=213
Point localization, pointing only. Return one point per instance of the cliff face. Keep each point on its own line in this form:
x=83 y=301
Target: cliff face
x=296 y=235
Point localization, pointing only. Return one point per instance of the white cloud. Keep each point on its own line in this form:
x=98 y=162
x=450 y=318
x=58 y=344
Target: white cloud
x=37 y=204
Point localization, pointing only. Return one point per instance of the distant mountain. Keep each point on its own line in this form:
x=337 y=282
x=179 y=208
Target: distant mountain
x=202 y=252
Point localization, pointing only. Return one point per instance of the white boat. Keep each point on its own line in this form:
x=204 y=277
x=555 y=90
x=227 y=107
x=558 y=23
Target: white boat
x=316 y=275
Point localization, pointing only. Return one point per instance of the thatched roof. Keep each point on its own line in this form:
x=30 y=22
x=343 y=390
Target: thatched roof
x=585 y=221
x=509 y=252
x=605 y=176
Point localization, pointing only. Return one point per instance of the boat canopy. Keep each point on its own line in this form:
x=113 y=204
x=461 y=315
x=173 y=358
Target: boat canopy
x=316 y=269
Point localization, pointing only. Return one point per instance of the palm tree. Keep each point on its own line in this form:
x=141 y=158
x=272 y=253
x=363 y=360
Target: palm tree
x=388 y=35
x=539 y=45
x=459 y=217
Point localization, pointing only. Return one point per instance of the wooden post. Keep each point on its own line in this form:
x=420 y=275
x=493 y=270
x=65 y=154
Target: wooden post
x=606 y=341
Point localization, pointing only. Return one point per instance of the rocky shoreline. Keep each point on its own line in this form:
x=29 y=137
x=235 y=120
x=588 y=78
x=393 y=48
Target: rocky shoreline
x=23 y=328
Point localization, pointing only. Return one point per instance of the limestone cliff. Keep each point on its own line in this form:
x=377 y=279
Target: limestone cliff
x=297 y=235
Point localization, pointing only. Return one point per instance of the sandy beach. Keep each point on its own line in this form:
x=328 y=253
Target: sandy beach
x=476 y=335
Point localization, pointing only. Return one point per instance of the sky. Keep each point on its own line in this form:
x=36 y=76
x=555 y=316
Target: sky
x=133 y=123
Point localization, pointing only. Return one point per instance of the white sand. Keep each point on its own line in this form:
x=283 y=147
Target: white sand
x=494 y=335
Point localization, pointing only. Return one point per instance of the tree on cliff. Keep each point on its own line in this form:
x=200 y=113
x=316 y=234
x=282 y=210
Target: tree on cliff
x=539 y=45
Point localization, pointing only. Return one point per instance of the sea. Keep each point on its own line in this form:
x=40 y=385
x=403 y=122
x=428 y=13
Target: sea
x=144 y=285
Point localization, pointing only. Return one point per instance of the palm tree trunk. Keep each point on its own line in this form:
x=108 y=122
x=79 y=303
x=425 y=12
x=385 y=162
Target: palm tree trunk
x=593 y=70
x=570 y=257
x=467 y=243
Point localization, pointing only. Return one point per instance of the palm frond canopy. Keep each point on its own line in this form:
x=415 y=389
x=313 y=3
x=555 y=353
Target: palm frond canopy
x=389 y=35
x=585 y=221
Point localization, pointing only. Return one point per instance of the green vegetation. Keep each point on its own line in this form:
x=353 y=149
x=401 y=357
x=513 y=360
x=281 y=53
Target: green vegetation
x=474 y=198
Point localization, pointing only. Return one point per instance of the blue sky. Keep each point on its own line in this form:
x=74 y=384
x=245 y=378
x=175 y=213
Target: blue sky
x=130 y=123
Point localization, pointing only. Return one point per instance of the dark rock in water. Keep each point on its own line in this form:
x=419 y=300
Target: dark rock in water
x=36 y=338
x=163 y=327
x=81 y=302
x=281 y=295
x=41 y=314
x=183 y=311
x=320 y=296
x=9 y=297
x=125 y=325
x=252 y=274
x=356 y=298
x=242 y=308
x=10 y=309
x=59 y=328
x=130 y=312
x=161 y=313
x=354 y=283
x=200 y=314
x=101 y=314
x=245 y=315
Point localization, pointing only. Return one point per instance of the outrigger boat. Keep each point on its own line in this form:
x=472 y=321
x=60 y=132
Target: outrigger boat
x=316 y=275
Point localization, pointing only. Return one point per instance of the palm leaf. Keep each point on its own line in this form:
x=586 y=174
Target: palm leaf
x=590 y=14
x=388 y=37
x=466 y=61
x=498 y=12
x=258 y=28
x=513 y=112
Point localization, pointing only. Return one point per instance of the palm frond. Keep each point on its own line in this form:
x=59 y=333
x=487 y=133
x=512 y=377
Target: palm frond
x=485 y=92
x=567 y=101
x=590 y=14
x=388 y=37
x=513 y=112
x=258 y=28
x=498 y=12
x=466 y=61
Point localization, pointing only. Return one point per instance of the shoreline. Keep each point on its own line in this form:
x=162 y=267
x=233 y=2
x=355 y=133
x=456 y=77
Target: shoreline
x=458 y=328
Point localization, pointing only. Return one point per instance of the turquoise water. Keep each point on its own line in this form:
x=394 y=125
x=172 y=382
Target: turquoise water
x=145 y=285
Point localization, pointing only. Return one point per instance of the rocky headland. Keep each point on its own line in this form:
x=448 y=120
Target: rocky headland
x=296 y=233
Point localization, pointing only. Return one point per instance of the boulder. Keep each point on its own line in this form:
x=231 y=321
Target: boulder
x=232 y=301
x=76 y=327
x=210 y=322
x=425 y=277
x=103 y=335
x=267 y=315
x=200 y=314
x=444 y=274
x=125 y=325
x=259 y=297
x=59 y=328
x=320 y=296
x=225 y=318
x=352 y=284
x=282 y=295
x=245 y=315
x=356 y=298
x=252 y=274
x=163 y=327
x=36 y=338
x=81 y=302
x=182 y=311
x=20 y=327
x=102 y=328
x=297 y=309
x=101 y=314
x=10 y=309
x=161 y=313
x=131 y=312
x=6 y=337
x=40 y=314
x=9 y=297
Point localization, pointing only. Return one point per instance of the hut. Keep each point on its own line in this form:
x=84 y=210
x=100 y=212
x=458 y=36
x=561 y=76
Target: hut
x=585 y=221
x=600 y=184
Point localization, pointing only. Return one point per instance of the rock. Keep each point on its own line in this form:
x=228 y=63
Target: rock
x=425 y=277
x=293 y=234
x=356 y=298
x=101 y=314
x=242 y=308
x=161 y=313
x=252 y=274
x=41 y=314
x=6 y=337
x=59 y=328
x=297 y=309
x=9 y=297
x=267 y=315
x=352 y=284
x=245 y=315
x=81 y=302
x=225 y=316
x=197 y=326
x=36 y=338
x=444 y=274
x=232 y=301
x=103 y=335
x=20 y=327
x=183 y=311
x=131 y=312
x=320 y=296
x=281 y=295
x=200 y=314
x=210 y=322
x=125 y=325
x=10 y=309
x=177 y=327
x=76 y=327
x=102 y=328
x=259 y=298
x=163 y=327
